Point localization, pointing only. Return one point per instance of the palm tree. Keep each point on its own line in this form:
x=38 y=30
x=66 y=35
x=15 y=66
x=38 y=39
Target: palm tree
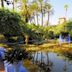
x=49 y=11
x=66 y=9
x=42 y=8
x=28 y=10
x=36 y=10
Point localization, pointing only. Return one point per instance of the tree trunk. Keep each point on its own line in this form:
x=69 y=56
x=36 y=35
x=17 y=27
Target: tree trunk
x=26 y=39
x=37 y=18
x=42 y=14
x=13 y=4
x=34 y=18
x=2 y=3
x=48 y=18
x=42 y=19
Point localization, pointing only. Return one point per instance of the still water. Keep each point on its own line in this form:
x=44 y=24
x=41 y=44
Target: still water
x=59 y=63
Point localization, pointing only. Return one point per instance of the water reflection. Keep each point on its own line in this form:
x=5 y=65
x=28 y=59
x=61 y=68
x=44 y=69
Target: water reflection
x=51 y=62
x=42 y=60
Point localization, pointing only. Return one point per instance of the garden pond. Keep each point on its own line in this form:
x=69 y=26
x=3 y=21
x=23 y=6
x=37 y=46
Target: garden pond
x=51 y=62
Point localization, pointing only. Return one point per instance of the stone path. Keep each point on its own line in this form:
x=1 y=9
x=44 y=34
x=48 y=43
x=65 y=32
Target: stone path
x=1 y=67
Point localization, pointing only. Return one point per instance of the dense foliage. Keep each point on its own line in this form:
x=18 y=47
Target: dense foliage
x=9 y=22
x=64 y=28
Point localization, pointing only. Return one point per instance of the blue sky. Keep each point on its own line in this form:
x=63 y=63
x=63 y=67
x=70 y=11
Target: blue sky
x=59 y=10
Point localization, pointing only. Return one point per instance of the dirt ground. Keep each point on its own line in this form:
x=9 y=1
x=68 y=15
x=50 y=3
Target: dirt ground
x=1 y=67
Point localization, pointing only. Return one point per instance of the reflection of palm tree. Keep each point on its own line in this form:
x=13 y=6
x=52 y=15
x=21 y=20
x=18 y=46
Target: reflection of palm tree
x=42 y=66
x=48 y=68
x=34 y=57
x=37 y=58
x=47 y=59
x=65 y=66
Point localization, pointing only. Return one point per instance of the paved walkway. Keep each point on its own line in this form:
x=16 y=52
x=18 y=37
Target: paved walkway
x=1 y=67
x=1 y=55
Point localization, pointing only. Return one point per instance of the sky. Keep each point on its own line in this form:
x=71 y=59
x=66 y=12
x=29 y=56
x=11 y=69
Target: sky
x=59 y=11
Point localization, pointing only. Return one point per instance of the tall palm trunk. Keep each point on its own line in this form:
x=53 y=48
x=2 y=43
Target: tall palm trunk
x=66 y=9
x=13 y=4
x=42 y=14
x=26 y=39
x=42 y=19
x=37 y=18
x=34 y=18
x=2 y=3
x=66 y=14
x=34 y=21
x=48 y=18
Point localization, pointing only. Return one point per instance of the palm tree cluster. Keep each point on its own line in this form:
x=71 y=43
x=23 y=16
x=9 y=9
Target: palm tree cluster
x=32 y=10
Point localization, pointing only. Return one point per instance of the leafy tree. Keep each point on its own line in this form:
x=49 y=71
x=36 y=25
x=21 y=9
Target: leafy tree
x=68 y=26
x=9 y=22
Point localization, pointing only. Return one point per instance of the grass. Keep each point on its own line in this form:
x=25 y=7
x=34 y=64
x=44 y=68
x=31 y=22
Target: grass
x=44 y=47
x=48 y=46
